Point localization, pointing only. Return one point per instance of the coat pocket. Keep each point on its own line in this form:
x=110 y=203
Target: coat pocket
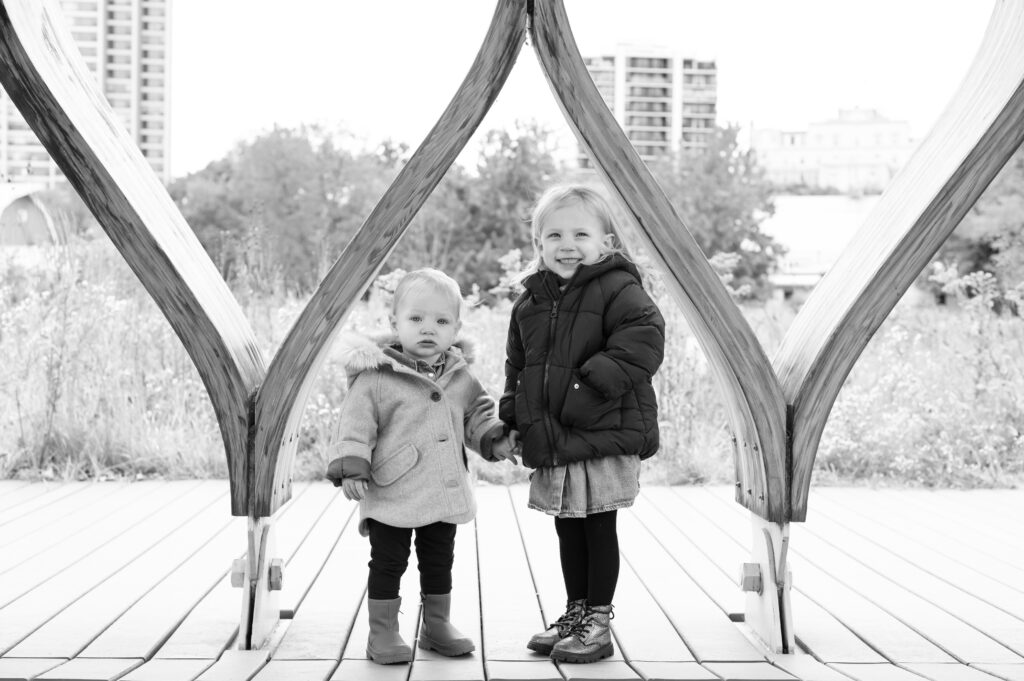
x=394 y=465
x=586 y=408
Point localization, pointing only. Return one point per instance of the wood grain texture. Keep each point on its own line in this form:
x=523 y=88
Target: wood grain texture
x=52 y=87
x=281 y=399
x=752 y=395
x=978 y=132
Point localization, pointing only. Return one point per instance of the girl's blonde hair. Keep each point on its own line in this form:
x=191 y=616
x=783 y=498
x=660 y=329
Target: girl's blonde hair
x=564 y=195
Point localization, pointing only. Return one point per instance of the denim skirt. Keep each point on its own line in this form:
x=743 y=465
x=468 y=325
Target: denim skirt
x=580 y=488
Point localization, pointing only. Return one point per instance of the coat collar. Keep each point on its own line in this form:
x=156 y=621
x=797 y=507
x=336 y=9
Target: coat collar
x=546 y=283
x=360 y=353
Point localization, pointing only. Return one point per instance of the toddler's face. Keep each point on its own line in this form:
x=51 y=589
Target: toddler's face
x=426 y=322
x=571 y=236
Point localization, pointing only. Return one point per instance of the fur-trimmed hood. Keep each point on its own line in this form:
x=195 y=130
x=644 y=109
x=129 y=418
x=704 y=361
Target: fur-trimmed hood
x=359 y=353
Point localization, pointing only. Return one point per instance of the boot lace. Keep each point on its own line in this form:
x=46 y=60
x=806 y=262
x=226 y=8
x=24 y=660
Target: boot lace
x=581 y=628
x=568 y=619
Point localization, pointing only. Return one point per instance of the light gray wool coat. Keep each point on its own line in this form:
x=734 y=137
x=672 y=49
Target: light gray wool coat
x=405 y=432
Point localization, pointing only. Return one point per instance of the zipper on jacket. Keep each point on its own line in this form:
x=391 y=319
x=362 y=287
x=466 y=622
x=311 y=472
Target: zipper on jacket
x=552 y=323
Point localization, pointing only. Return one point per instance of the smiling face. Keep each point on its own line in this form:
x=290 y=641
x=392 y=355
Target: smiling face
x=426 y=322
x=569 y=237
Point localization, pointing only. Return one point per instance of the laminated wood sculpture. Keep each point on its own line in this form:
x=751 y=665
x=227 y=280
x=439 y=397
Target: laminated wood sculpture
x=777 y=409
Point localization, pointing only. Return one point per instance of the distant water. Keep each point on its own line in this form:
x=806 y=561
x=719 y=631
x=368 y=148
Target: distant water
x=815 y=229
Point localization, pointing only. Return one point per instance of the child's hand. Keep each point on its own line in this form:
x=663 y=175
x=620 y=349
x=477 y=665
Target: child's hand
x=354 y=489
x=507 y=448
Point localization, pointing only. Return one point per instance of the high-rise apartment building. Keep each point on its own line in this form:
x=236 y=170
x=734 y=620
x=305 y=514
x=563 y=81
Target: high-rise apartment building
x=126 y=45
x=663 y=101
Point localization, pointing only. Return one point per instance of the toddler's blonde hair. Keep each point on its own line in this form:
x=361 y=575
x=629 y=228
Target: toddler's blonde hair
x=436 y=280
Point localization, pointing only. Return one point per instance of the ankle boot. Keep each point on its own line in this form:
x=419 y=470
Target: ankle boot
x=437 y=633
x=589 y=640
x=559 y=629
x=385 y=644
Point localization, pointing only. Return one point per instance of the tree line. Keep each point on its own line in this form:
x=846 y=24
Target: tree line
x=277 y=211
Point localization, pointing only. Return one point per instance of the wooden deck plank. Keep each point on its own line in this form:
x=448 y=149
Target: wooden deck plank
x=673 y=671
x=825 y=538
x=153 y=618
x=74 y=627
x=521 y=670
x=511 y=612
x=883 y=632
x=944 y=567
x=100 y=541
x=65 y=508
x=22 y=492
x=322 y=624
x=211 y=626
x=147 y=623
x=236 y=665
x=168 y=670
x=805 y=667
x=919 y=528
x=1009 y=672
x=90 y=670
x=295 y=670
x=749 y=671
x=817 y=629
x=30 y=611
x=356 y=669
x=705 y=627
x=306 y=559
x=26 y=668
x=53 y=495
x=876 y=672
x=956 y=511
x=82 y=521
x=949 y=627
x=949 y=672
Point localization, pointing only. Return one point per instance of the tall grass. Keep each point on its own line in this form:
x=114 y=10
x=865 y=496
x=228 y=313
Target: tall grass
x=94 y=384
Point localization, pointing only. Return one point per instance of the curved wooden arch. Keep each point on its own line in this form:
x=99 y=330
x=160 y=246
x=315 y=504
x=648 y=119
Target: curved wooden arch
x=282 y=397
x=778 y=423
x=753 y=398
x=973 y=139
x=51 y=85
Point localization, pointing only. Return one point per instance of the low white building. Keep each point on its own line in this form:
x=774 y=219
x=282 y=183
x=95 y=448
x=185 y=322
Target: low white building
x=858 y=152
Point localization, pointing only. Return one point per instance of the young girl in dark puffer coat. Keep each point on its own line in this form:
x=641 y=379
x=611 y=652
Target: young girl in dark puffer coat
x=583 y=343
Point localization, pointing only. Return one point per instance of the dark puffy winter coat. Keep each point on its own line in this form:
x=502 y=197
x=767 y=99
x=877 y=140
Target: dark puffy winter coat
x=579 y=365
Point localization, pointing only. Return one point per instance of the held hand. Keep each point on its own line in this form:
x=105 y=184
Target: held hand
x=507 y=448
x=354 y=489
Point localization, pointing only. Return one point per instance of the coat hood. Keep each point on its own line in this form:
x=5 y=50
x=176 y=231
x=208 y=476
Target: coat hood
x=359 y=353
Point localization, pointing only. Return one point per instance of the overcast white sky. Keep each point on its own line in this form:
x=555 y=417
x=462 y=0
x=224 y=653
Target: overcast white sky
x=387 y=68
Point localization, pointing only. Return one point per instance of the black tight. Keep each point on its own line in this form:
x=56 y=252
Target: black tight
x=589 y=549
x=389 y=556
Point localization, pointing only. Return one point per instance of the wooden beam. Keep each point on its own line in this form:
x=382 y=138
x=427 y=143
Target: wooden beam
x=752 y=395
x=973 y=139
x=52 y=87
x=282 y=397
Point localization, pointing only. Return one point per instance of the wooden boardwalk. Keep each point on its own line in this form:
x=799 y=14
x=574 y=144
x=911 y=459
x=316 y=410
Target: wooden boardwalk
x=130 y=581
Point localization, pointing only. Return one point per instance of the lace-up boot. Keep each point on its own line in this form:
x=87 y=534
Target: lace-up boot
x=559 y=629
x=589 y=640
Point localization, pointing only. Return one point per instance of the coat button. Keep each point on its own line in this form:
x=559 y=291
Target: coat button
x=436 y=396
x=443 y=438
x=576 y=386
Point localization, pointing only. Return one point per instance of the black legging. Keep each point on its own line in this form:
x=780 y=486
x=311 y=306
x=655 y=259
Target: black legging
x=589 y=549
x=389 y=556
